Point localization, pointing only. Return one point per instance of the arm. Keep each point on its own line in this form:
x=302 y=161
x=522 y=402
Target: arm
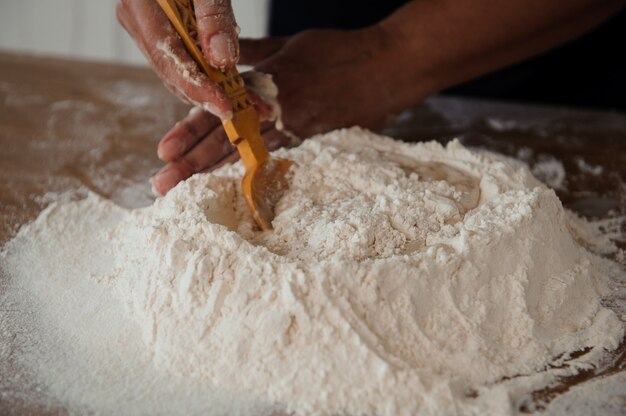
x=330 y=79
x=443 y=43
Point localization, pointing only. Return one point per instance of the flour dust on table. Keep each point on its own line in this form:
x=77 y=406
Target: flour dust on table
x=399 y=279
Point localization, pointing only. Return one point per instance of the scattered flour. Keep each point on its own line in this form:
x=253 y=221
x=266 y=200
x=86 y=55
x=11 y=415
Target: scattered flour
x=585 y=167
x=400 y=279
x=189 y=70
x=551 y=171
x=601 y=397
x=264 y=86
x=503 y=125
x=191 y=73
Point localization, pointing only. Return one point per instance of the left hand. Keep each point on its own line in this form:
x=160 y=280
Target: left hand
x=326 y=79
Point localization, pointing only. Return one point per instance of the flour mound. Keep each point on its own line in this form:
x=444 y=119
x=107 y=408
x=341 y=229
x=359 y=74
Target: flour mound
x=399 y=279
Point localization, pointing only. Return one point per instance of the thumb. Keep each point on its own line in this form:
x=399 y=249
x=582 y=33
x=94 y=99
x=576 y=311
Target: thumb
x=254 y=51
x=218 y=32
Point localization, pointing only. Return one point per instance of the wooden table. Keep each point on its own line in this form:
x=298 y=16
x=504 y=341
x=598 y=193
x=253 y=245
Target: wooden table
x=69 y=125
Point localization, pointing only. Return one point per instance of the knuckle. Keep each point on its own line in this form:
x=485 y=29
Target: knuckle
x=188 y=166
x=189 y=129
x=227 y=146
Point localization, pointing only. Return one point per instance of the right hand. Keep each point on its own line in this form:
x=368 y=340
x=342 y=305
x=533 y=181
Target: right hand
x=150 y=28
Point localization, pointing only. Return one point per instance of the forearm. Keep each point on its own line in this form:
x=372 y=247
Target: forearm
x=437 y=44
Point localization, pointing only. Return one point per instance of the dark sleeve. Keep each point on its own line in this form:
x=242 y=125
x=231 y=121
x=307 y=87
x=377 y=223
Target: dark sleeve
x=288 y=17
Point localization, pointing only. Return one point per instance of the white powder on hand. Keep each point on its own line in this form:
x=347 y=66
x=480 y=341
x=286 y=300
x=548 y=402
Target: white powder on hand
x=400 y=279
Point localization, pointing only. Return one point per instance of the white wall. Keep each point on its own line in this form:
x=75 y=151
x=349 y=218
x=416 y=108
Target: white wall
x=88 y=28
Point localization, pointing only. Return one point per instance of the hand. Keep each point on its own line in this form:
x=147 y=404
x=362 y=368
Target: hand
x=326 y=80
x=150 y=28
x=329 y=79
x=198 y=143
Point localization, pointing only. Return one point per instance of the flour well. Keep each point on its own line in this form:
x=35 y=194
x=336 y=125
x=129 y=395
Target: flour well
x=400 y=279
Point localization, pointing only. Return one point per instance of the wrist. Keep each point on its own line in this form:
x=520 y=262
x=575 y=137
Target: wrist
x=403 y=73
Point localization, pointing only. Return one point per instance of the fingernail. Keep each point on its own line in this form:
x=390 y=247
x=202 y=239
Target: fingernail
x=165 y=180
x=223 y=51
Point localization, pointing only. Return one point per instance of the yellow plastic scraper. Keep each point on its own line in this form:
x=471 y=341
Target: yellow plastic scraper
x=265 y=178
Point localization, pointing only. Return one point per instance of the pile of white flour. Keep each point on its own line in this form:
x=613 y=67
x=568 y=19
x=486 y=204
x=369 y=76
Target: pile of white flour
x=400 y=279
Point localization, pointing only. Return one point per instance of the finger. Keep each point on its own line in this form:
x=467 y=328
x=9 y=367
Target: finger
x=182 y=73
x=254 y=51
x=167 y=54
x=275 y=139
x=122 y=17
x=209 y=151
x=266 y=110
x=231 y=158
x=217 y=31
x=127 y=22
x=186 y=133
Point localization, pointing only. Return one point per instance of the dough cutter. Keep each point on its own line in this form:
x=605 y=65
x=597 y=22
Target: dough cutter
x=265 y=179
